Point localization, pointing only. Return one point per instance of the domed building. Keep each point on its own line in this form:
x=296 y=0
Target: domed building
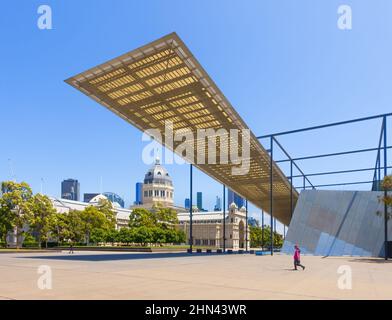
x=158 y=187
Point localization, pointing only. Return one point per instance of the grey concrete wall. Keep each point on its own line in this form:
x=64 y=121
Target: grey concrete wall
x=338 y=223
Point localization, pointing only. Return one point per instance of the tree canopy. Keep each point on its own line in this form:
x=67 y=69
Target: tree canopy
x=34 y=217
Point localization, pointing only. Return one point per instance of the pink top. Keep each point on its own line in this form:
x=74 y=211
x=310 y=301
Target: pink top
x=297 y=255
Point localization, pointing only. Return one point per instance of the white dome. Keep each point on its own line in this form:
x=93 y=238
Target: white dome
x=233 y=206
x=97 y=198
x=243 y=209
x=157 y=174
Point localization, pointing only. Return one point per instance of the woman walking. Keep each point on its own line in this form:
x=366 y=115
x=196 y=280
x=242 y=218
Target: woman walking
x=297 y=258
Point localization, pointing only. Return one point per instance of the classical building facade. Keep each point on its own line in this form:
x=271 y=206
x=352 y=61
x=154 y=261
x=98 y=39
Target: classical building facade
x=157 y=187
x=64 y=206
x=207 y=228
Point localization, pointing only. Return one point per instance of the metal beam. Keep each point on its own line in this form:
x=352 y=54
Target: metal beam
x=333 y=154
x=325 y=125
x=335 y=184
x=335 y=172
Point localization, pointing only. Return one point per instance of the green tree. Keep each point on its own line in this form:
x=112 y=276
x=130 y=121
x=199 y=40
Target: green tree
x=5 y=222
x=98 y=235
x=75 y=228
x=142 y=235
x=141 y=217
x=125 y=235
x=59 y=227
x=112 y=236
x=180 y=236
x=386 y=185
x=157 y=226
x=257 y=236
x=39 y=217
x=166 y=217
x=91 y=218
x=106 y=208
x=175 y=236
x=159 y=234
x=14 y=204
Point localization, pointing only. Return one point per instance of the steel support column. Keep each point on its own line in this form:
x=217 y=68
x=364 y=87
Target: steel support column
x=385 y=191
x=271 y=193
x=291 y=188
x=262 y=229
x=246 y=226
x=224 y=218
x=190 y=208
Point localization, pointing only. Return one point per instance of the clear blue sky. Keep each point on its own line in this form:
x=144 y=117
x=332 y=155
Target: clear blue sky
x=282 y=64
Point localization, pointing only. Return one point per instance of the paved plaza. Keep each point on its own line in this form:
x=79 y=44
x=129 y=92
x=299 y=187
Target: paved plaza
x=96 y=275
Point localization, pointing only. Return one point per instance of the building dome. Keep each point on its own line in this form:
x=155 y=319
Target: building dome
x=97 y=198
x=158 y=187
x=115 y=199
x=233 y=206
x=243 y=209
x=157 y=174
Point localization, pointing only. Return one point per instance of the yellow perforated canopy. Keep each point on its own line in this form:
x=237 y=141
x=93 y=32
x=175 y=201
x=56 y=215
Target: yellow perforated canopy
x=162 y=82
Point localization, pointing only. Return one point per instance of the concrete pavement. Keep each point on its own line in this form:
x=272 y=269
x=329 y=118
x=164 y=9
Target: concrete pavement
x=95 y=275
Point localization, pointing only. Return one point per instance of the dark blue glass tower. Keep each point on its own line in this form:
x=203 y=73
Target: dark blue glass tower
x=233 y=197
x=70 y=189
x=139 y=193
x=199 y=200
x=187 y=203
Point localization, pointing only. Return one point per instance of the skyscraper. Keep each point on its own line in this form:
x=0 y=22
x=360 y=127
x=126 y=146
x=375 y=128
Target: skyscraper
x=139 y=193
x=187 y=203
x=70 y=189
x=233 y=197
x=199 y=199
x=88 y=196
x=218 y=206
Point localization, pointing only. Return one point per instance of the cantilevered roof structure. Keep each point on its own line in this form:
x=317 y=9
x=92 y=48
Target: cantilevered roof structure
x=162 y=81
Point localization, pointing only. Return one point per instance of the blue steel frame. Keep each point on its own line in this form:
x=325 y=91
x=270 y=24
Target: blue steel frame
x=382 y=146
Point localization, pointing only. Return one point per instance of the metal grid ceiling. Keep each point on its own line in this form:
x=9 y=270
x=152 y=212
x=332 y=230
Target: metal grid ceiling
x=162 y=82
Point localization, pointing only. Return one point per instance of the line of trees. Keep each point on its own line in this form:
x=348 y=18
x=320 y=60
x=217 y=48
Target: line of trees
x=34 y=217
x=258 y=238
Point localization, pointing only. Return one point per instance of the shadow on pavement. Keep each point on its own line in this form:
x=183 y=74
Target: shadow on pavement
x=371 y=260
x=114 y=257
